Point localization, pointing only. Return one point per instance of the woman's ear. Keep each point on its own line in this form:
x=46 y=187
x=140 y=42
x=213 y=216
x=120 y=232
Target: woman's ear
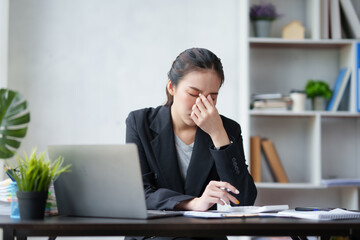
x=170 y=88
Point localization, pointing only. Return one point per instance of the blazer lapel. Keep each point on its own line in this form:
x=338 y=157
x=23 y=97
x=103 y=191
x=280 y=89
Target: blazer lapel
x=164 y=149
x=200 y=165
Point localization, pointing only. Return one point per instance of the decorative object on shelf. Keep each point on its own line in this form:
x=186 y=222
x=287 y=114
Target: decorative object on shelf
x=318 y=91
x=33 y=176
x=262 y=16
x=293 y=30
x=13 y=121
x=298 y=98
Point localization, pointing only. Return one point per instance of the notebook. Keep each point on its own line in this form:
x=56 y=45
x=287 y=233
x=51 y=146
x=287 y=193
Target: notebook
x=334 y=214
x=105 y=181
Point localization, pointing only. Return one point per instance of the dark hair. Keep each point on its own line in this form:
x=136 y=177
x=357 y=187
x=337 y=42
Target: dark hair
x=193 y=59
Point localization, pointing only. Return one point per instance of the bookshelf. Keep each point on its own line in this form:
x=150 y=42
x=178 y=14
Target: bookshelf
x=312 y=145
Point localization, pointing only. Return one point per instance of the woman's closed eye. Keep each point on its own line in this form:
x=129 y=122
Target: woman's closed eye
x=193 y=94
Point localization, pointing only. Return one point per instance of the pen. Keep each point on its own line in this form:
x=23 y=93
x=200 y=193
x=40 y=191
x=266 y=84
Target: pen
x=227 y=189
x=9 y=172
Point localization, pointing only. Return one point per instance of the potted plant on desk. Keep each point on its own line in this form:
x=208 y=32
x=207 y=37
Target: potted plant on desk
x=318 y=91
x=33 y=176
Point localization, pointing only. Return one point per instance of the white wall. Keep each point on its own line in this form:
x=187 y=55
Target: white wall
x=83 y=65
x=4 y=24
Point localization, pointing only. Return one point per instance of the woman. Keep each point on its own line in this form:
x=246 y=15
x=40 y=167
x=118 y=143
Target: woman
x=191 y=157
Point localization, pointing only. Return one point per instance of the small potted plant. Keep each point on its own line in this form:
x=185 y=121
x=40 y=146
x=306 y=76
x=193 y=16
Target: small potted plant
x=33 y=176
x=318 y=91
x=261 y=16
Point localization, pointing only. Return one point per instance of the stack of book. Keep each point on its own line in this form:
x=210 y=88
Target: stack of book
x=339 y=19
x=5 y=198
x=265 y=145
x=270 y=101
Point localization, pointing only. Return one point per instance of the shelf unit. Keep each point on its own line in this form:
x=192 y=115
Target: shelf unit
x=312 y=145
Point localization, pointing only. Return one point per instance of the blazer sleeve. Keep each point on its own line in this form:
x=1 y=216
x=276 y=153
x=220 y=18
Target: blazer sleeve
x=231 y=166
x=156 y=197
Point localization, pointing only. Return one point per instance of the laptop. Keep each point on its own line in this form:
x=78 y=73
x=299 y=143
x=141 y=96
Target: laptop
x=105 y=181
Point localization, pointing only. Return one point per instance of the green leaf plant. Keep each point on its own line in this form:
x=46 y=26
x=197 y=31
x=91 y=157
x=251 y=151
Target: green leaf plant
x=13 y=121
x=35 y=173
x=317 y=88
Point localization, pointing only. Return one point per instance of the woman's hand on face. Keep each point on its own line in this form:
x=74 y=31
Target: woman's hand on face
x=215 y=193
x=206 y=116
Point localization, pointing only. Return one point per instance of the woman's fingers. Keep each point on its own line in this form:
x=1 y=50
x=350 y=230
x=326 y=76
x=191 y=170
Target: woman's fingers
x=196 y=111
x=206 y=101
x=200 y=103
x=225 y=196
x=226 y=186
x=222 y=190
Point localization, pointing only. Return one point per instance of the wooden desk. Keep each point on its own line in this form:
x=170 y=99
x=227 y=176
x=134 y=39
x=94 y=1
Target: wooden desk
x=177 y=226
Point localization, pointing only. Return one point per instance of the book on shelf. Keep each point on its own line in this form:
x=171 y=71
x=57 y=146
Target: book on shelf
x=344 y=104
x=351 y=18
x=262 y=96
x=335 y=20
x=255 y=158
x=276 y=168
x=338 y=18
x=339 y=89
x=324 y=20
x=357 y=59
x=314 y=19
x=274 y=104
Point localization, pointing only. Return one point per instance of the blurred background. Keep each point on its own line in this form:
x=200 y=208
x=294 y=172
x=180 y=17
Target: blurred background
x=83 y=65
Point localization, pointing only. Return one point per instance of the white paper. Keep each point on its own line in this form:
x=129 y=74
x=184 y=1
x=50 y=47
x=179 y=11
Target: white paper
x=320 y=215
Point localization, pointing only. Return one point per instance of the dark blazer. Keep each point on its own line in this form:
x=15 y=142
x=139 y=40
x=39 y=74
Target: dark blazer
x=152 y=131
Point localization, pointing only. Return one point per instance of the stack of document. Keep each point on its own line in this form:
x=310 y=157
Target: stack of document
x=228 y=211
x=5 y=198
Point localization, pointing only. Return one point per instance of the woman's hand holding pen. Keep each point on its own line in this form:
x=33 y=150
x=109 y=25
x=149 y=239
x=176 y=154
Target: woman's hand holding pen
x=215 y=193
x=206 y=116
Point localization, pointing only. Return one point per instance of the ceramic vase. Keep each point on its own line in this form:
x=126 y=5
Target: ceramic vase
x=318 y=104
x=261 y=28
